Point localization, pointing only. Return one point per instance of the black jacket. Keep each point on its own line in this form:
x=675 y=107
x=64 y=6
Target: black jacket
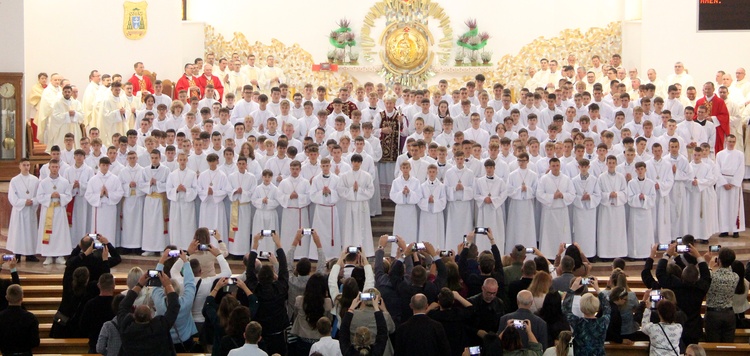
x=93 y=262
x=345 y=339
x=689 y=296
x=474 y=280
x=4 y=284
x=150 y=338
x=454 y=323
x=421 y=335
x=272 y=297
x=19 y=331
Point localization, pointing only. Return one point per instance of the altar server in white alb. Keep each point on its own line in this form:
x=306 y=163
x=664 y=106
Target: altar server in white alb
x=459 y=189
x=588 y=197
x=132 y=204
x=104 y=193
x=265 y=202
x=67 y=115
x=78 y=175
x=431 y=210
x=406 y=193
x=522 y=189
x=212 y=189
x=729 y=189
x=240 y=215
x=659 y=170
x=53 y=195
x=489 y=194
x=642 y=199
x=683 y=175
x=22 y=230
x=153 y=183
x=611 y=225
x=182 y=189
x=324 y=194
x=357 y=189
x=697 y=196
x=294 y=198
x=555 y=192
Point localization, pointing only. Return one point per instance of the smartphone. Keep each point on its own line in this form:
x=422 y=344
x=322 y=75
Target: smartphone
x=465 y=240
x=568 y=245
x=203 y=247
x=231 y=281
x=714 y=248
x=174 y=253
x=679 y=241
x=529 y=250
x=263 y=254
x=212 y=232
x=655 y=297
x=353 y=249
x=519 y=324
x=8 y=257
x=585 y=281
x=475 y=350
x=267 y=232
x=98 y=245
x=153 y=280
x=94 y=236
x=662 y=247
x=683 y=248
x=307 y=231
x=418 y=246
x=152 y=273
x=392 y=238
x=480 y=230
x=365 y=297
x=446 y=253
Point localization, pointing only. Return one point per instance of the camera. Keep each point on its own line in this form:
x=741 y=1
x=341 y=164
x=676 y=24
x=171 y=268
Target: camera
x=267 y=232
x=480 y=230
x=446 y=253
x=8 y=257
x=662 y=247
x=683 y=248
x=365 y=297
x=475 y=350
x=714 y=248
x=354 y=249
x=174 y=253
x=519 y=324
x=392 y=238
x=418 y=246
x=307 y=231
x=529 y=250
x=212 y=232
x=98 y=245
x=203 y=247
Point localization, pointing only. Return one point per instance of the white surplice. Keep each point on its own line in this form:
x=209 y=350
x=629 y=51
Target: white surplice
x=679 y=205
x=59 y=237
x=640 y=221
x=356 y=227
x=697 y=192
x=730 y=202
x=521 y=226
x=23 y=228
x=661 y=173
x=584 y=213
x=213 y=215
x=104 y=208
x=155 y=229
x=611 y=225
x=491 y=215
x=294 y=215
x=266 y=217
x=132 y=207
x=61 y=122
x=240 y=244
x=326 y=218
x=432 y=215
x=459 y=216
x=554 y=227
x=406 y=216
x=182 y=223
x=81 y=207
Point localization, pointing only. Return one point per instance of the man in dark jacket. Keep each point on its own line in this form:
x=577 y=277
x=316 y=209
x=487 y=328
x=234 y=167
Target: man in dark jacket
x=528 y=271
x=98 y=260
x=141 y=332
x=98 y=311
x=272 y=295
x=489 y=267
x=421 y=335
x=487 y=311
x=19 y=329
x=4 y=283
x=419 y=282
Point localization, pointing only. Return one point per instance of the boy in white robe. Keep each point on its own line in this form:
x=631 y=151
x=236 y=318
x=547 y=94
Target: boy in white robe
x=729 y=189
x=641 y=198
x=682 y=176
x=659 y=170
x=522 y=188
x=153 y=183
x=611 y=226
x=489 y=194
x=432 y=206
x=53 y=194
x=132 y=204
x=78 y=175
x=265 y=201
x=710 y=206
x=279 y=164
x=406 y=193
x=104 y=193
x=584 y=209
x=459 y=189
x=555 y=193
x=294 y=198
x=23 y=228
x=240 y=215
x=324 y=194
x=697 y=192
x=357 y=189
x=213 y=187
x=182 y=189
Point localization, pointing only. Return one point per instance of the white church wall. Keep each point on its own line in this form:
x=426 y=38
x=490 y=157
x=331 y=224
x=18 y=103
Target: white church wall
x=12 y=36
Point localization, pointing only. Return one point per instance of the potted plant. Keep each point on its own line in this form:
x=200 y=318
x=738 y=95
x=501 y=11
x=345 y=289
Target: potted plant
x=353 y=57
x=460 y=55
x=331 y=55
x=486 y=57
x=473 y=58
x=340 y=56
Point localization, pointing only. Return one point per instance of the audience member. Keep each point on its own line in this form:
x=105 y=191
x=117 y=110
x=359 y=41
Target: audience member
x=361 y=343
x=327 y=345
x=589 y=331
x=455 y=321
x=109 y=341
x=204 y=236
x=695 y=350
x=720 y=319
x=309 y=308
x=184 y=327
x=253 y=335
x=4 y=283
x=739 y=300
x=528 y=272
x=365 y=316
x=420 y=335
x=539 y=287
x=19 y=329
x=618 y=298
x=217 y=314
x=525 y=301
x=387 y=276
x=98 y=310
x=581 y=265
x=236 y=323
x=490 y=266
x=563 y=345
x=98 y=261
x=487 y=309
x=513 y=272
x=77 y=290
x=511 y=340
x=664 y=336
x=301 y=271
x=419 y=283
x=272 y=293
x=629 y=328
x=551 y=313
x=565 y=274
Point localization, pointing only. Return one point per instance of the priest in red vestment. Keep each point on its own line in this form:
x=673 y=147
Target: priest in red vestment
x=718 y=111
x=347 y=106
x=186 y=81
x=140 y=82
x=207 y=78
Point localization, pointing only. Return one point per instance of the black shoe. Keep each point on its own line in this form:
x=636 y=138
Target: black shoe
x=723 y=234
x=31 y=258
x=736 y=235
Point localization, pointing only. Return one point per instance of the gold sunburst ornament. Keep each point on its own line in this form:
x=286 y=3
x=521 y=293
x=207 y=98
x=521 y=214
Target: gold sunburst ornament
x=405 y=44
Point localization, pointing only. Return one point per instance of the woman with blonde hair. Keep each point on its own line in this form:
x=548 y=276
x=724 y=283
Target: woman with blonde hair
x=589 y=331
x=629 y=329
x=539 y=287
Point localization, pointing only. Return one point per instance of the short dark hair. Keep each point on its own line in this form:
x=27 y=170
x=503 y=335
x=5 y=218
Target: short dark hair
x=252 y=332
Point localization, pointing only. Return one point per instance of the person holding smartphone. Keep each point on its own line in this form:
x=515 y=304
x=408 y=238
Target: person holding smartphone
x=510 y=338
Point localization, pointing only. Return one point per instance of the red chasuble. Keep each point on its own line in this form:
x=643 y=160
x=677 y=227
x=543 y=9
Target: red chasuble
x=184 y=84
x=717 y=107
x=141 y=84
x=202 y=81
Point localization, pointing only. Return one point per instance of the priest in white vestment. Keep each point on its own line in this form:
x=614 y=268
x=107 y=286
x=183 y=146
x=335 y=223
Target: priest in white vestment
x=113 y=115
x=213 y=187
x=50 y=95
x=729 y=189
x=23 y=228
x=53 y=195
x=489 y=194
x=182 y=189
x=294 y=198
x=132 y=205
x=642 y=197
x=78 y=175
x=555 y=193
x=356 y=189
x=459 y=189
x=153 y=184
x=432 y=210
x=240 y=215
x=324 y=194
x=588 y=197
x=612 y=236
x=522 y=188
x=67 y=114
x=104 y=193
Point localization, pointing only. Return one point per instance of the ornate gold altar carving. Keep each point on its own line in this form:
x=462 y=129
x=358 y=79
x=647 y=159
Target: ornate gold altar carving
x=296 y=62
x=405 y=47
